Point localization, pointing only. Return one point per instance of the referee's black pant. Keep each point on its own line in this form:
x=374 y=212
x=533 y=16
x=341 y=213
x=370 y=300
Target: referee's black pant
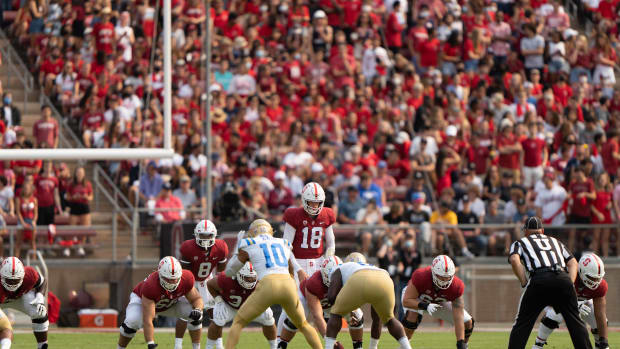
x=549 y=289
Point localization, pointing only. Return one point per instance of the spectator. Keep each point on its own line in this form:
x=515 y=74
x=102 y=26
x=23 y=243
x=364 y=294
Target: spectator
x=7 y=207
x=67 y=88
x=581 y=192
x=169 y=207
x=370 y=191
x=395 y=215
x=125 y=36
x=280 y=197
x=186 y=193
x=550 y=201
x=150 y=183
x=47 y=194
x=474 y=236
x=410 y=260
x=45 y=130
x=495 y=235
x=10 y=114
x=601 y=214
x=509 y=150
x=532 y=48
x=611 y=152
x=534 y=157
x=386 y=182
x=447 y=221
x=26 y=204
x=23 y=168
x=389 y=259
x=349 y=206
x=79 y=195
x=103 y=31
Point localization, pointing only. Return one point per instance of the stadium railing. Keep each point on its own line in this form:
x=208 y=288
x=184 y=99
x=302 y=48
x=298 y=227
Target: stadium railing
x=14 y=63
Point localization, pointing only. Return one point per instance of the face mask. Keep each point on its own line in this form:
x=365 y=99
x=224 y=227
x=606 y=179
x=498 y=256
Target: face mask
x=408 y=243
x=248 y=65
x=263 y=8
x=260 y=53
x=424 y=14
x=297 y=56
x=583 y=80
x=7 y=100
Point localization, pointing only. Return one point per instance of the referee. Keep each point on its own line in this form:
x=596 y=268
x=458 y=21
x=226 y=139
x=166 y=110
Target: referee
x=552 y=270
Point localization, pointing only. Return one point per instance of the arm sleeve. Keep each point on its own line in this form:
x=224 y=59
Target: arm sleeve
x=296 y=266
x=233 y=266
x=330 y=241
x=289 y=232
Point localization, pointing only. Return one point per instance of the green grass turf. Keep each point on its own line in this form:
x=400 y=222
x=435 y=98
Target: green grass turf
x=255 y=340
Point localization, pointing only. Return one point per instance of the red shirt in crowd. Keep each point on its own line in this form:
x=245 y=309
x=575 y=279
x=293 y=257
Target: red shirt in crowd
x=607 y=9
x=81 y=190
x=533 y=151
x=20 y=175
x=170 y=202
x=429 y=52
x=607 y=153
x=581 y=206
x=45 y=131
x=509 y=160
x=52 y=67
x=104 y=37
x=44 y=190
x=479 y=156
x=393 y=31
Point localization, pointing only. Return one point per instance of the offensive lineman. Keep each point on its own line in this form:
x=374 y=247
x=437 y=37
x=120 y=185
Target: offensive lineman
x=273 y=260
x=313 y=297
x=591 y=290
x=168 y=291
x=354 y=284
x=230 y=294
x=22 y=289
x=437 y=291
x=201 y=255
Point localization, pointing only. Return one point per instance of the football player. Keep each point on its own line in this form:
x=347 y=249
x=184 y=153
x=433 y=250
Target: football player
x=313 y=297
x=22 y=289
x=229 y=295
x=169 y=291
x=201 y=255
x=355 y=283
x=438 y=292
x=591 y=291
x=274 y=262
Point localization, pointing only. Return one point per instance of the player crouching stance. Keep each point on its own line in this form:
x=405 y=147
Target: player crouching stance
x=229 y=294
x=437 y=291
x=273 y=261
x=591 y=291
x=169 y=291
x=313 y=297
x=22 y=289
x=354 y=284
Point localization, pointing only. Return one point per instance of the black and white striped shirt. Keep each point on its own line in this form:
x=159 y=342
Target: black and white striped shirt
x=541 y=251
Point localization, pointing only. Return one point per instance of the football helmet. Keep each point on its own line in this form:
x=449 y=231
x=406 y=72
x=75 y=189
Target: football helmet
x=312 y=192
x=12 y=273
x=328 y=266
x=247 y=277
x=591 y=270
x=259 y=227
x=355 y=257
x=170 y=273
x=205 y=232
x=443 y=271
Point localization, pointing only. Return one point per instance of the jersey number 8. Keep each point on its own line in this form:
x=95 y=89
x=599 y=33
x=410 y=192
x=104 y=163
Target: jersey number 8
x=315 y=237
x=278 y=255
x=204 y=270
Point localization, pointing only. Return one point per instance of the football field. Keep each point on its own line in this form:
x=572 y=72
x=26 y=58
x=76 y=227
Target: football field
x=255 y=340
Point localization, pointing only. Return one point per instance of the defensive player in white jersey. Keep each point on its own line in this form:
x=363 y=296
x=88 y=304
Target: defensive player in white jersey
x=355 y=283
x=591 y=291
x=274 y=262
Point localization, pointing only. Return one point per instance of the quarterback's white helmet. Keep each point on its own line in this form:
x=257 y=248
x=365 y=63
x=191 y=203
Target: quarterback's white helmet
x=443 y=271
x=205 y=233
x=355 y=257
x=247 y=277
x=12 y=273
x=170 y=273
x=591 y=270
x=328 y=266
x=313 y=192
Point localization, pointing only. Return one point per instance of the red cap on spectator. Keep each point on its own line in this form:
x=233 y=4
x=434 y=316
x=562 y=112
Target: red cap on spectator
x=347 y=169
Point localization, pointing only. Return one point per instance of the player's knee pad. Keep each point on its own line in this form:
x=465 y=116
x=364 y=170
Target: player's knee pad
x=127 y=331
x=412 y=325
x=357 y=325
x=288 y=324
x=550 y=323
x=469 y=331
x=41 y=324
x=5 y=324
x=193 y=325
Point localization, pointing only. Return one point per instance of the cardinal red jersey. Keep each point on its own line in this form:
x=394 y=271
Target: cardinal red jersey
x=164 y=300
x=232 y=293
x=422 y=279
x=203 y=261
x=309 y=231
x=32 y=279
x=315 y=285
x=584 y=293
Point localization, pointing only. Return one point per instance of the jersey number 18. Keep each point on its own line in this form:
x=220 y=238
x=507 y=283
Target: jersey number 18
x=315 y=237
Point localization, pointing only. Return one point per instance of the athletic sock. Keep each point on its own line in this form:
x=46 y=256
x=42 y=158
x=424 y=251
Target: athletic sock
x=5 y=343
x=42 y=345
x=543 y=333
x=283 y=344
x=329 y=342
x=358 y=344
x=178 y=343
x=210 y=343
x=117 y=347
x=195 y=345
x=404 y=343
x=373 y=343
x=219 y=343
x=273 y=344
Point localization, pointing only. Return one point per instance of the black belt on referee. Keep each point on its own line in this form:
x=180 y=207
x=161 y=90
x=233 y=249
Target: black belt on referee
x=555 y=269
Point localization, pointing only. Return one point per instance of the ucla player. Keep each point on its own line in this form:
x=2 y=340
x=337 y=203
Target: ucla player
x=272 y=259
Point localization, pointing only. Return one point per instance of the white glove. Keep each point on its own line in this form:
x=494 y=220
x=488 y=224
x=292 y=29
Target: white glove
x=584 y=310
x=432 y=308
x=213 y=301
x=39 y=303
x=240 y=236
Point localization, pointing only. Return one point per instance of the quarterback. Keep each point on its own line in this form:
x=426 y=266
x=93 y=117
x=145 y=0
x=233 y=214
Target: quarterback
x=168 y=291
x=355 y=283
x=437 y=291
x=273 y=261
x=313 y=297
x=201 y=255
x=591 y=291
x=229 y=294
x=22 y=289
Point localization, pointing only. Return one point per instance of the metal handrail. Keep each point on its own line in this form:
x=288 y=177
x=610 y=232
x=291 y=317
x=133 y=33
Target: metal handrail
x=14 y=62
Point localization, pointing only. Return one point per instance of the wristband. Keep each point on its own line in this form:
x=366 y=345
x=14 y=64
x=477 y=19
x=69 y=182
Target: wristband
x=423 y=305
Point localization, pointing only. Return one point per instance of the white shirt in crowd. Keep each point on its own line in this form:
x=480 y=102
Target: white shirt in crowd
x=242 y=85
x=551 y=201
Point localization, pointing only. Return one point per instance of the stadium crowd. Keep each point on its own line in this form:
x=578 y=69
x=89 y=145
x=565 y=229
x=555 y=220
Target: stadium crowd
x=427 y=111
